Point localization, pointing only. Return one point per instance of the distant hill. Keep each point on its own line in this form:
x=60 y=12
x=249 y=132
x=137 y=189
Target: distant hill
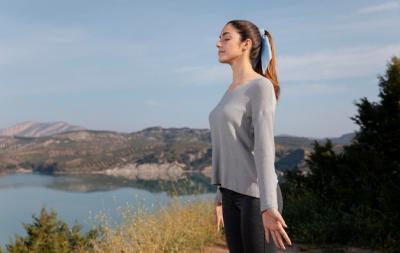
x=295 y=141
x=152 y=153
x=37 y=129
x=345 y=139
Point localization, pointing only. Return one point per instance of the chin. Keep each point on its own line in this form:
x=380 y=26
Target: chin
x=222 y=60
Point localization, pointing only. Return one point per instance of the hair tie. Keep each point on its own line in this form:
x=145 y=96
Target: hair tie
x=266 y=52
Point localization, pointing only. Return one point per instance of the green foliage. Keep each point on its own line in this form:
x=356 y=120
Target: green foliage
x=352 y=197
x=48 y=234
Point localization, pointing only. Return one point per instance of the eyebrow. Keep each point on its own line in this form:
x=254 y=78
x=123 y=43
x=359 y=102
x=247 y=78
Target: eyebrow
x=224 y=34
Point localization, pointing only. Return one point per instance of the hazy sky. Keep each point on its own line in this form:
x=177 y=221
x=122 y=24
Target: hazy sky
x=128 y=65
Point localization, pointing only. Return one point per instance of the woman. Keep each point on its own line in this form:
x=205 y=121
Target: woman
x=243 y=149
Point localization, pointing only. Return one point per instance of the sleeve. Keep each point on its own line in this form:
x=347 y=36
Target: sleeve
x=263 y=105
x=218 y=196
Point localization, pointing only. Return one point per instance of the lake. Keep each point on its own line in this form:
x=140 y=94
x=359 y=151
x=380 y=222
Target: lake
x=82 y=197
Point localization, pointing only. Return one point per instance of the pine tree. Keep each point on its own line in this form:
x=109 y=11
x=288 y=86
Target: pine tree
x=48 y=234
x=355 y=195
x=380 y=122
x=374 y=158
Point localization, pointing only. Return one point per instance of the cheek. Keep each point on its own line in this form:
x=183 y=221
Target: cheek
x=232 y=50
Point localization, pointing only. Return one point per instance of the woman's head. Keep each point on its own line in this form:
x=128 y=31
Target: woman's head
x=242 y=38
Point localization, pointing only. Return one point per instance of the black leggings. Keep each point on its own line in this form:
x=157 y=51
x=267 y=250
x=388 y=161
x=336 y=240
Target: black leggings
x=244 y=230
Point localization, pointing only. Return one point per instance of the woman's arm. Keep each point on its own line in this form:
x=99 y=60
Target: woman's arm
x=263 y=103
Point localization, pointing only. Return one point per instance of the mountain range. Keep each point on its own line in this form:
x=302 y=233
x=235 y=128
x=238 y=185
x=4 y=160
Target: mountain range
x=38 y=129
x=151 y=153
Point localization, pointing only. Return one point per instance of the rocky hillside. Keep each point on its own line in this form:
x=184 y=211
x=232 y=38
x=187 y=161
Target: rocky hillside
x=37 y=129
x=154 y=152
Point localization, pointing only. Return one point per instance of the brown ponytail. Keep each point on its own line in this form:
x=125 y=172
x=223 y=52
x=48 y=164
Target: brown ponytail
x=271 y=70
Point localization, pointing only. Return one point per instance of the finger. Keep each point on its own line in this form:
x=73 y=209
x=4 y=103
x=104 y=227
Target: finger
x=267 y=234
x=274 y=237
x=281 y=220
x=222 y=217
x=285 y=236
x=279 y=239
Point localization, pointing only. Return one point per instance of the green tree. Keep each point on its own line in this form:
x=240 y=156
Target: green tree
x=48 y=234
x=375 y=157
x=352 y=197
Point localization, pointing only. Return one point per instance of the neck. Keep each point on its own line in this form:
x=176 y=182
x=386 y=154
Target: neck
x=242 y=71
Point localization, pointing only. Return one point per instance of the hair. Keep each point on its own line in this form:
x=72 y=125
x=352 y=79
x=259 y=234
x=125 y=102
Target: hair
x=248 y=30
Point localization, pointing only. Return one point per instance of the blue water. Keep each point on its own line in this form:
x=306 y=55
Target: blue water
x=73 y=198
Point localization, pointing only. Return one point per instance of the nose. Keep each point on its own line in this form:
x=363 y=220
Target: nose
x=218 y=45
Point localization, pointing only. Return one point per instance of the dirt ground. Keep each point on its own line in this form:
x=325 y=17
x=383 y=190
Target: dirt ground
x=221 y=247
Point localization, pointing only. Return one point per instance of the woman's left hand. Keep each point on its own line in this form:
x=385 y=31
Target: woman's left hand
x=219 y=219
x=273 y=224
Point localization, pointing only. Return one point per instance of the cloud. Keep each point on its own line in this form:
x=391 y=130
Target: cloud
x=66 y=60
x=203 y=74
x=58 y=44
x=357 y=61
x=349 y=62
x=61 y=36
x=31 y=46
x=305 y=89
x=388 y=6
x=152 y=103
x=11 y=54
x=366 y=25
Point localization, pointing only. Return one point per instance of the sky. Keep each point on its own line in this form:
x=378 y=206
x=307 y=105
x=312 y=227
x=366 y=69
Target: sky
x=127 y=65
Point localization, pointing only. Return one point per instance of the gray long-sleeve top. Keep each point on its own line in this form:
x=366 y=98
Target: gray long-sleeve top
x=243 y=148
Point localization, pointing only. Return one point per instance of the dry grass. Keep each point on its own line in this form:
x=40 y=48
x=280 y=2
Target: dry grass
x=176 y=227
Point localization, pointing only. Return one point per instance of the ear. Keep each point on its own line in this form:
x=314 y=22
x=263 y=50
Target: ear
x=247 y=44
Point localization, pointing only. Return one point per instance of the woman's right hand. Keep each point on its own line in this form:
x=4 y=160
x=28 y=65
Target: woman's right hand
x=273 y=224
x=219 y=220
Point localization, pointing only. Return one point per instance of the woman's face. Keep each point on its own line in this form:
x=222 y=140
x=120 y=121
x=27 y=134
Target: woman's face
x=229 y=45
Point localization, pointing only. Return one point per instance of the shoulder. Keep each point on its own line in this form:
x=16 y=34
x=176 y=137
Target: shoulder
x=263 y=88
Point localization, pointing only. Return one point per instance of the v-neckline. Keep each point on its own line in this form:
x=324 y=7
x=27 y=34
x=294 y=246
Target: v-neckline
x=238 y=86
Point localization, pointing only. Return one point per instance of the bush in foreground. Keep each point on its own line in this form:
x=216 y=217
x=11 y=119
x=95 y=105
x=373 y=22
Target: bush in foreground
x=176 y=227
x=48 y=234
